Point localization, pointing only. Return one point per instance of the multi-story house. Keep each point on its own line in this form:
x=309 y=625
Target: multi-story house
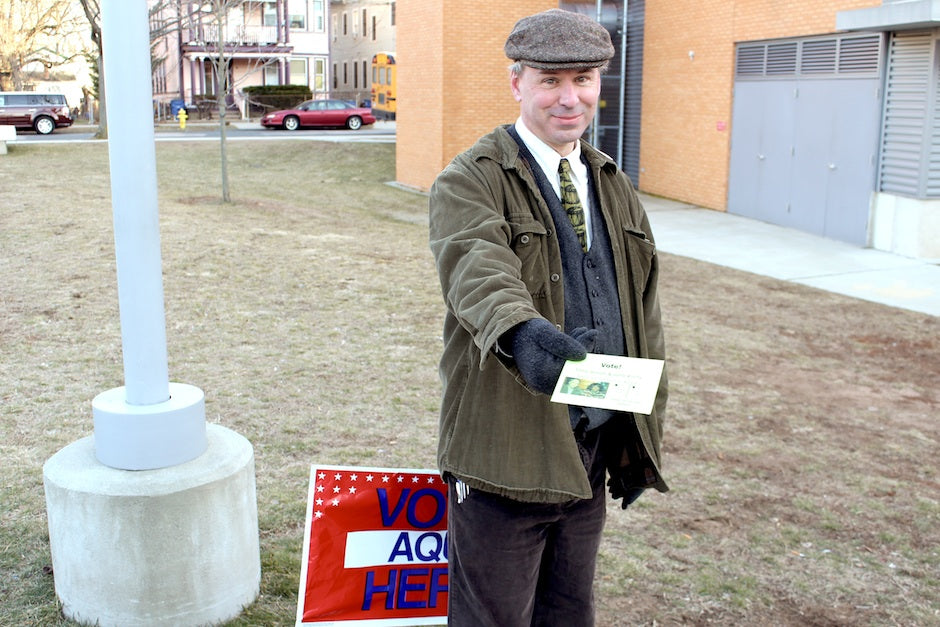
x=359 y=29
x=280 y=42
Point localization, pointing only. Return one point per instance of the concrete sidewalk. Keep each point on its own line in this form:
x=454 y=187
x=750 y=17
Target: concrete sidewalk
x=790 y=255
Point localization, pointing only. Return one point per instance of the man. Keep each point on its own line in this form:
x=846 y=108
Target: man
x=532 y=275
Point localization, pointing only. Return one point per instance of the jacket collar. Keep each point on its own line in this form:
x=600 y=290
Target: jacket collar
x=499 y=146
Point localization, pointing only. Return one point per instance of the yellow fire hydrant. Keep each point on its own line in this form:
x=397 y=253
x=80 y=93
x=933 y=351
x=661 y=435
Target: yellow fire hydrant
x=181 y=115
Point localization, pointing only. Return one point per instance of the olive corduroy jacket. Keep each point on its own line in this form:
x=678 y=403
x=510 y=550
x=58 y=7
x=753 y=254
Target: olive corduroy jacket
x=499 y=263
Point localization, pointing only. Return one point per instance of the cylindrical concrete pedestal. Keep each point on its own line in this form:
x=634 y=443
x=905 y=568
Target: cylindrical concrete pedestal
x=174 y=546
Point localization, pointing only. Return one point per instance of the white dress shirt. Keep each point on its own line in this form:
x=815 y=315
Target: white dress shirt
x=548 y=160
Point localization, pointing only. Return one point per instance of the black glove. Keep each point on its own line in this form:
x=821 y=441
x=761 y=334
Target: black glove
x=619 y=491
x=540 y=351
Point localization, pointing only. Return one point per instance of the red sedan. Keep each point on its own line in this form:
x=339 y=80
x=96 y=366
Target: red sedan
x=338 y=113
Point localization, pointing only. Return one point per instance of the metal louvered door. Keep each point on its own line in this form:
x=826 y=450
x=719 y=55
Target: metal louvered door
x=805 y=131
x=910 y=150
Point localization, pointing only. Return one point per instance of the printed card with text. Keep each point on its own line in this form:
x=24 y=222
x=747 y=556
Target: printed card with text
x=610 y=382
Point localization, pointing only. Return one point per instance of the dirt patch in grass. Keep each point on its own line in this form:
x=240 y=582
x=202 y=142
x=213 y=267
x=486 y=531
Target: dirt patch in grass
x=801 y=441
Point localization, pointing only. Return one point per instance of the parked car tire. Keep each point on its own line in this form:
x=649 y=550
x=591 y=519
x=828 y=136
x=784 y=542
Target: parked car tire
x=354 y=123
x=43 y=125
x=291 y=123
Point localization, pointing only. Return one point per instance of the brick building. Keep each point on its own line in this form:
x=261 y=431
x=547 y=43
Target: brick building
x=773 y=110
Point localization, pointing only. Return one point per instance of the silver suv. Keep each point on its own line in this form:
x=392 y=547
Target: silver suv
x=41 y=112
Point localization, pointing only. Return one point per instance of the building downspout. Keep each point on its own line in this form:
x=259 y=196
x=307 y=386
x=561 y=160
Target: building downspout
x=623 y=85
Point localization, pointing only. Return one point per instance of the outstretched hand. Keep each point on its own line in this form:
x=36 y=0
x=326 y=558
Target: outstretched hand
x=540 y=351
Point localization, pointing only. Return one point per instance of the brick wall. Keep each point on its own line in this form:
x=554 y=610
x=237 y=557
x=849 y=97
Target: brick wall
x=453 y=84
x=453 y=81
x=687 y=98
x=420 y=108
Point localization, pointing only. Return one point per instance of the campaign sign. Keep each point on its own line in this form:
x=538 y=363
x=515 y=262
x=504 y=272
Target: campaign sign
x=375 y=548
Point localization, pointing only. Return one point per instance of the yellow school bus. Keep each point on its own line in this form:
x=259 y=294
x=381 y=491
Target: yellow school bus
x=383 y=85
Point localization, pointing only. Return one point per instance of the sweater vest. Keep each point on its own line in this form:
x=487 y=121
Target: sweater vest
x=590 y=281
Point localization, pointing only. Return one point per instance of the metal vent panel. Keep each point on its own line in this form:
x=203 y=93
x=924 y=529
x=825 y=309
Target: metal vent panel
x=908 y=125
x=842 y=56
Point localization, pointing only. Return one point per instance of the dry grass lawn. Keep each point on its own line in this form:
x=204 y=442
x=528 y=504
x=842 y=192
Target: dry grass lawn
x=802 y=439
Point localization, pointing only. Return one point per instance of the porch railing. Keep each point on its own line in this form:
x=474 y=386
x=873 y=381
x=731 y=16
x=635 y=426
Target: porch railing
x=241 y=35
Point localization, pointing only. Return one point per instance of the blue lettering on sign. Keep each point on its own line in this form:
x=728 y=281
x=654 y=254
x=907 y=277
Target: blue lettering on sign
x=404 y=588
x=402 y=548
x=409 y=503
x=425 y=586
x=372 y=588
x=430 y=546
x=388 y=518
x=437 y=588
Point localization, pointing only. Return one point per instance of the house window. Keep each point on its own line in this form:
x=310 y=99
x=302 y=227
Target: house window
x=365 y=74
x=355 y=75
x=345 y=74
x=373 y=28
x=333 y=30
x=317 y=16
x=345 y=23
x=298 y=72
x=335 y=77
x=159 y=80
x=319 y=74
x=270 y=74
x=269 y=13
x=355 y=25
x=365 y=25
x=298 y=21
x=393 y=14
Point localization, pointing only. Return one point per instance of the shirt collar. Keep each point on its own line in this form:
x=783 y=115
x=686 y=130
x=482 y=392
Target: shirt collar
x=545 y=155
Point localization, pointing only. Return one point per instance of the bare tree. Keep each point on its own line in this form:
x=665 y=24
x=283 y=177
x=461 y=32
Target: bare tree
x=92 y=10
x=221 y=63
x=46 y=33
x=173 y=16
x=218 y=13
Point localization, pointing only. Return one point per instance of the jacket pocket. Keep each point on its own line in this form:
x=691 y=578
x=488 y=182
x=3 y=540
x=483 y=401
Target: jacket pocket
x=640 y=253
x=529 y=245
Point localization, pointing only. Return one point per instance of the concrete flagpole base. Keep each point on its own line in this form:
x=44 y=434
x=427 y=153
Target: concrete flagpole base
x=173 y=546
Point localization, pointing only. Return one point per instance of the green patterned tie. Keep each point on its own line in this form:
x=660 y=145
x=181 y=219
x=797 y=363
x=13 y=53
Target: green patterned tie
x=571 y=203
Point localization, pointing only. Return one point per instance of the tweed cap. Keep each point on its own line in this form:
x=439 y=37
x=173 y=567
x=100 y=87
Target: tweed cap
x=558 y=39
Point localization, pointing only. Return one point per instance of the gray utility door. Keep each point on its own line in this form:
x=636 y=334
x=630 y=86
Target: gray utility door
x=805 y=133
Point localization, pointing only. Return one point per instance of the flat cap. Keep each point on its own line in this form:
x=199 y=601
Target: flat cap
x=558 y=39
